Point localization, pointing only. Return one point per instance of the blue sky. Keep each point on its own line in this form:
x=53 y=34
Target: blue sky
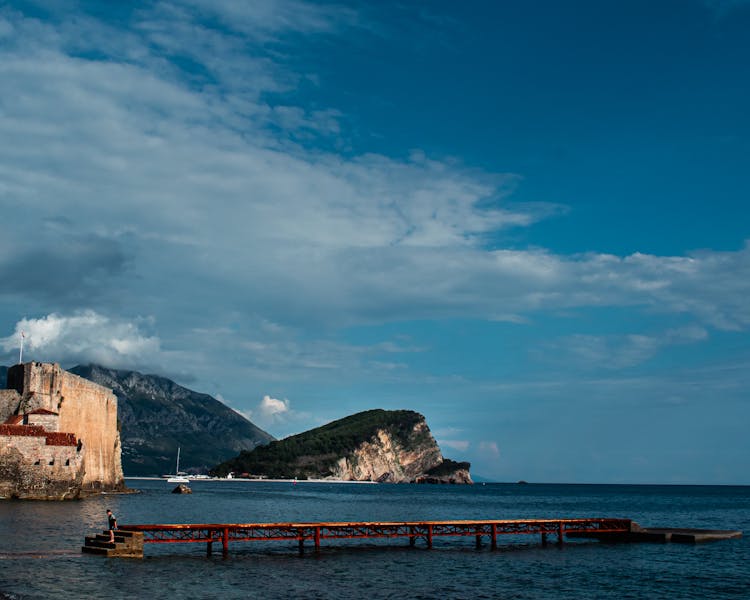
x=526 y=220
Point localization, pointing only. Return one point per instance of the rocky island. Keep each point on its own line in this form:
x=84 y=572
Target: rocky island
x=376 y=445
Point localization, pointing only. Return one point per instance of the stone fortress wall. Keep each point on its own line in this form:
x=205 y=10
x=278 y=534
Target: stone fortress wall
x=51 y=402
x=34 y=464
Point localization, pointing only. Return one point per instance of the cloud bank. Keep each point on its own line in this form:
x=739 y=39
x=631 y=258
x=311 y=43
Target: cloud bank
x=140 y=172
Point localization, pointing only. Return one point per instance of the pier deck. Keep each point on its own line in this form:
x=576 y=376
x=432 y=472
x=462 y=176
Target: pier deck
x=427 y=531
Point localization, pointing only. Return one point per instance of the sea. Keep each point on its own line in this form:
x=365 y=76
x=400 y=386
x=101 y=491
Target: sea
x=40 y=544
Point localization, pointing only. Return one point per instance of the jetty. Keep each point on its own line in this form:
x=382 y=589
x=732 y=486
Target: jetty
x=130 y=539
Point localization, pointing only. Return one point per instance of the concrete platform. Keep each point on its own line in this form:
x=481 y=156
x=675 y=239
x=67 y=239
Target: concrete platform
x=127 y=544
x=663 y=535
x=687 y=536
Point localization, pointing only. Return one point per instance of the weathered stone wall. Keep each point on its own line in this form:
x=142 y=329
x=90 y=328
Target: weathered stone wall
x=32 y=469
x=39 y=385
x=90 y=410
x=49 y=421
x=9 y=402
x=85 y=408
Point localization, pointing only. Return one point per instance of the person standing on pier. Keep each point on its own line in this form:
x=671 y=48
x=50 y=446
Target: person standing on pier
x=112 y=526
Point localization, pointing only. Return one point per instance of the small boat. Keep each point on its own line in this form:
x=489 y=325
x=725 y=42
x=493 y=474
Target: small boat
x=178 y=477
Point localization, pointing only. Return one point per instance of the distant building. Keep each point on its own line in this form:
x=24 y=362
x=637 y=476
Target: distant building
x=58 y=435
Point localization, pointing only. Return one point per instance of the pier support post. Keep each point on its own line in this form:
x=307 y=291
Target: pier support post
x=317 y=539
x=412 y=538
x=209 y=548
x=429 y=535
x=544 y=539
x=478 y=538
x=493 y=541
x=225 y=542
x=560 y=534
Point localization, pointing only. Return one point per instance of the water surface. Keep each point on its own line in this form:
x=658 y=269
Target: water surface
x=40 y=544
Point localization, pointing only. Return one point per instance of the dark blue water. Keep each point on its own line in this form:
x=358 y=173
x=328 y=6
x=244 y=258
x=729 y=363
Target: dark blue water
x=40 y=544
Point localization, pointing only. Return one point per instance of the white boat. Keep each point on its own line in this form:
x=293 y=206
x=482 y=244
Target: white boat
x=178 y=477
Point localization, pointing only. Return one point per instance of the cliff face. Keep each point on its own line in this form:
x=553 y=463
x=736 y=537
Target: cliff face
x=157 y=416
x=386 y=458
x=376 y=445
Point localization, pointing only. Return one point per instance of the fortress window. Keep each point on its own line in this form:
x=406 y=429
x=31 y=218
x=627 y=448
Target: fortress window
x=52 y=462
x=38 y=461
x=67 y=463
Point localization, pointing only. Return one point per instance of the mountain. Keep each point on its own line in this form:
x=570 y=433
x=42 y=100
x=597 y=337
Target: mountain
x=157 y=416
x=375 y=445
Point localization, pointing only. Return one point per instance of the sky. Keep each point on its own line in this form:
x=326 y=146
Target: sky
x=528 y=221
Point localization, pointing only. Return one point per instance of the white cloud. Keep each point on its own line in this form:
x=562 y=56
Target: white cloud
x=278 y=414
x=84 y=337
x=273 y=408
x=268 y=412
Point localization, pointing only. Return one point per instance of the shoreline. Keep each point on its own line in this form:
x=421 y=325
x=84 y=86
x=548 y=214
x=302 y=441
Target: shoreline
x=254 y=480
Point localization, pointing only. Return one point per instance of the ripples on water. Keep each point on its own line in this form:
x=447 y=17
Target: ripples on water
x=40 y=544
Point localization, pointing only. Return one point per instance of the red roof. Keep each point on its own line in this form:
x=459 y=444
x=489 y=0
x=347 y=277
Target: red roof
x=23 y=430
x=41 y=411
x=52 y=438
x=14 y=419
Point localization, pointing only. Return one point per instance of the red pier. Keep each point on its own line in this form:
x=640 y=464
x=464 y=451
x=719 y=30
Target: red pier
x=413 y=531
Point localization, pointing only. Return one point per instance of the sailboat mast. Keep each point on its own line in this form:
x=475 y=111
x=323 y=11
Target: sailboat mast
x=177 y=470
